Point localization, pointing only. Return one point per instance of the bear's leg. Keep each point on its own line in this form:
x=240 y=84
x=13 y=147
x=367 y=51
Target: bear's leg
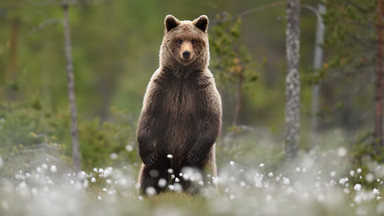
x=190 y=179
x=204 y=181
x=153 y=180
x=211 y=169
x=205 y=175
x=189 y=186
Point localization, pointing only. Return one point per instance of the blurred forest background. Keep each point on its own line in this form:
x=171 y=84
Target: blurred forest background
x=115 y=48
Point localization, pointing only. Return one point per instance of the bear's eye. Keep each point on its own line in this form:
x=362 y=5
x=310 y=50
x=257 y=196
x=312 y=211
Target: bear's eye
x=193 y=41
x=180 y=41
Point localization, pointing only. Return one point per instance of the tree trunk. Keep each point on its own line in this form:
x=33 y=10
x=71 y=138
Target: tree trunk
x=292 y=108
x=71 y=91
x=239 y=97
x=379 y=79
x=317 y=64
x=108 y=67
x=10 y=74
x=14 y=33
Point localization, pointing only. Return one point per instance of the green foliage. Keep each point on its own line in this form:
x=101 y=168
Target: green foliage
x=28 y=132
x=115 y=48
x=234 y=69
x=230 y=59
x=347 y=74
x=350 y=25
x=108 y=143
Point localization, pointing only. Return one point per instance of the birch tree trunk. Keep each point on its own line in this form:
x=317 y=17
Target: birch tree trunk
x=317 y=64
x=71 y=91
x=292 y=108
x=378 y=133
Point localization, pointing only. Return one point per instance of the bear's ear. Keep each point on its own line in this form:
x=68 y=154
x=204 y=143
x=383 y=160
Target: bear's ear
x=201 y=23
x=170 y=22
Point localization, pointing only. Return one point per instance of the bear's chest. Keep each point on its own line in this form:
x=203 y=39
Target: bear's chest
x=182 y=97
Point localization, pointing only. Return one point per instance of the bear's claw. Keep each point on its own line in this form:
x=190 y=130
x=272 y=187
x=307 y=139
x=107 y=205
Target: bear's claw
x=148 y=159
x=192 y=160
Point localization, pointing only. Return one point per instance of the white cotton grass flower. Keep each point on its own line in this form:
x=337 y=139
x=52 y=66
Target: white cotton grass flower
x=375 y=191
x=53 y=169
x=191 y=174
x=240 y=183
x=286 y=181
x=129 y=148
x=341 y=152
x=178 y=188
x=215 y=180
x=370 y=177
x=357 y=187
x=333 y=173
x=352 y=173
x=171 y=187
x=114 y=156
x=162 y=183
x=101 y=170
x=346 y=191
x=107 y=172
x=82 y=174
x=232 y=163
x=342 y=181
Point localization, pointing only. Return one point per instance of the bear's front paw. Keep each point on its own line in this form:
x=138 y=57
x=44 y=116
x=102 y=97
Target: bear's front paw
x=194 y=159
x=147 y=154
x=148 y=158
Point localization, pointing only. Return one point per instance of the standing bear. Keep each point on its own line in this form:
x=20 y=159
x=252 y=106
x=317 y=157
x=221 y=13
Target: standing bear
x=181 y=114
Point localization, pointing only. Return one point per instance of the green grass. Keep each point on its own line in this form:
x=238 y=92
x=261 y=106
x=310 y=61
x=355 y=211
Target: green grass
x=255 y=179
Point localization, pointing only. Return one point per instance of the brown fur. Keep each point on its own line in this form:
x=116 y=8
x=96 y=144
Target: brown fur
x=181 y=113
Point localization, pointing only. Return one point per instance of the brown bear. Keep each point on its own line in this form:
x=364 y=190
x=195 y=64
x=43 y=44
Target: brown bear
x=181 y=114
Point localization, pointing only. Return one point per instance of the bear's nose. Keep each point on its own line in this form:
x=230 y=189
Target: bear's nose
x=186 y=54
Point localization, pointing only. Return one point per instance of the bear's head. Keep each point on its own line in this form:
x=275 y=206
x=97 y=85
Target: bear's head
x=185 y=41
